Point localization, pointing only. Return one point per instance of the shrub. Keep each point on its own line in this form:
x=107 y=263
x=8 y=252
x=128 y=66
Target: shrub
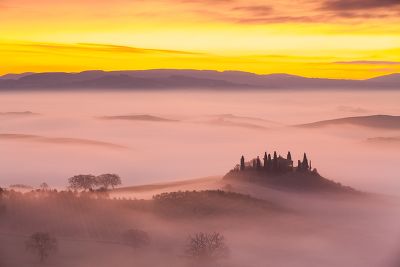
x=207 y=246
x=135 y=238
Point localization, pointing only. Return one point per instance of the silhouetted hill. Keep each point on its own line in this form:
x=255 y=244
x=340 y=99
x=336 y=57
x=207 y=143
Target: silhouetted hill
x=117 y=80
x=374 y=121
x=210 y=203
x=170 y=78
x=143 y=117
x=391 y=78
x=13 y=76
x=296 y=181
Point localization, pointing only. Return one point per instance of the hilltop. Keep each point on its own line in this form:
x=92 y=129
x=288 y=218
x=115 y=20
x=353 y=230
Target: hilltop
x=279 y=172
x=373 y=121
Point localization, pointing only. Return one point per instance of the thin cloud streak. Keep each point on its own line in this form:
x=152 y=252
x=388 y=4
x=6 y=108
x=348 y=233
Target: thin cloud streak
x=359 y=4
x=368 y=62
x=92 y=47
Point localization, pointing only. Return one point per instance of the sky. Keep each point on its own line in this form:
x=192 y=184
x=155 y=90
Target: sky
x=352 y=39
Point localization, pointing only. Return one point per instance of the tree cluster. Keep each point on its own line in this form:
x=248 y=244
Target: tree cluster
x=90 y=182
x=274 y=163
x=305 y=165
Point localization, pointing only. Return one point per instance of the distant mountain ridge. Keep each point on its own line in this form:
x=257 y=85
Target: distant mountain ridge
x=171 y=78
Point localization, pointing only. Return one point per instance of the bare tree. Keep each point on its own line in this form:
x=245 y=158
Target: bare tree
x=41 y=243
x=81 y=181
x=136 y=238
x=207 y=246
x=106 y=180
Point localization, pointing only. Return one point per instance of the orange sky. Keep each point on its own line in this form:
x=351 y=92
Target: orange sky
x=315 y=38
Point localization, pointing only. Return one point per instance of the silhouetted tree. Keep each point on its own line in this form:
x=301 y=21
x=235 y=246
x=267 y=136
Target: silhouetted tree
x=289 y=156
x=258 y=163
x=305 y=165
x=275 y=162
x=41 y=243
x=85 y=182
x=269 y=162
x=107 y=180
x=136 y=238
x=310 y=166
x=265 y=161
x=254 y=163
x=207 y=246
x=242 y=163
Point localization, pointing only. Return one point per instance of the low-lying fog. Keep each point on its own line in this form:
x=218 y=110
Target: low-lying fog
x=190 y=134
x=283 y=229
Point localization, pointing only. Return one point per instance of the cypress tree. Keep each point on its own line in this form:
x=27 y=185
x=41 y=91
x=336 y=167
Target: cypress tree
x=289 y=156
x=290 y=164
x=258 y=163
x=275 y=162
x=305 y=162
x=242 y=164
x=265 y=160
x=299 y=166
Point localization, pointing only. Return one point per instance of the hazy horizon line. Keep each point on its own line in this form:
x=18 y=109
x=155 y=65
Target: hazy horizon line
x=2 y=75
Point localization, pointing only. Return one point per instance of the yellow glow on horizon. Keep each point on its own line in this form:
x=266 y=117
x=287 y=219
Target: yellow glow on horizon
x=47 y=35
x=42 y=57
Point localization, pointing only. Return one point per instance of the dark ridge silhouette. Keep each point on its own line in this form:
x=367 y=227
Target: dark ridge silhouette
x=143 y=117
x=58 y=140
x=117 y=80
x=391 y=78
x=373 y=121
x=13 y=76
x=171 y=78
x=280 y=172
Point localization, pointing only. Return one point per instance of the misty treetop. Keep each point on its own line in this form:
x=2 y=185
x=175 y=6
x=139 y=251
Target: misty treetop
x=90 y=182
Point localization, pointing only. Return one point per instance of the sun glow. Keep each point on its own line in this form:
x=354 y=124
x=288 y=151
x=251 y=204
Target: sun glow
x=311 y=41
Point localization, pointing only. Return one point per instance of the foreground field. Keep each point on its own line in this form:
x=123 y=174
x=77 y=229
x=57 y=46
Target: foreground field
x=259 y=224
